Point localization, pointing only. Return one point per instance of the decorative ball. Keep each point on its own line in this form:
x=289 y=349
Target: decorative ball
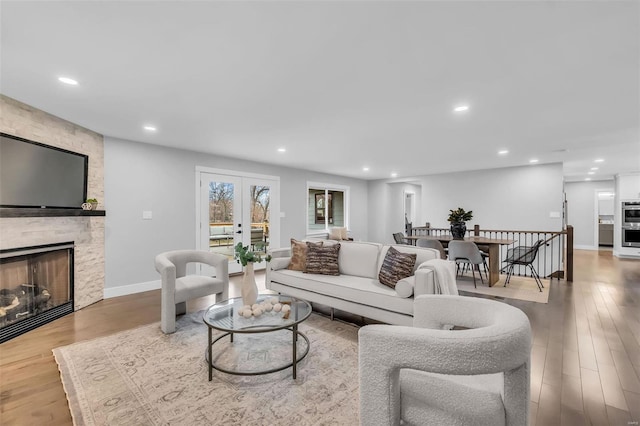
x=277 y=307
x=268 y=307
x=286 y=308
x=241 y=311
x=273 y=300
x=245 y=307
x=247 y=313
x=257 y=312
x=254 y=306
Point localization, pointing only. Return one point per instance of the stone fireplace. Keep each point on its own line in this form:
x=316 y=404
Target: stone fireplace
x=40 y=228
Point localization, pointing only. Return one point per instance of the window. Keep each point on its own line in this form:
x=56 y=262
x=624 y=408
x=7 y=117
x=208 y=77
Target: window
x=327 y=207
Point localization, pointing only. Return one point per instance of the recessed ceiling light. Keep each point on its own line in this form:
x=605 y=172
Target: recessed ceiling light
x=150 y=128
x=587 y=178
x=594 y=168
x=599 y=160
x=503 y=152
x=461 y=108
x=591 y=173
x=67 y=80
x=282 y=149
x=394 y=174
x=365 y=169
x=533 y=160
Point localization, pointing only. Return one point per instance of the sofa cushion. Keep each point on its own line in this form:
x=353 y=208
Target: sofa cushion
x=422 y=254
x=396 y=266
x=299 y=254
x=359 y=259
x=365 y=291
x=322 y=259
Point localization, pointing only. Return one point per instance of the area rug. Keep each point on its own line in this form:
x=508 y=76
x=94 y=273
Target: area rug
x=520 y=288
x=144 y=377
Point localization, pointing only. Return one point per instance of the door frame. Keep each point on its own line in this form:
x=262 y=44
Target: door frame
x=274 y=228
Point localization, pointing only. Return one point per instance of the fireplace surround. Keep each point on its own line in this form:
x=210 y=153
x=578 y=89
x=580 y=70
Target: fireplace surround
x=36 y=287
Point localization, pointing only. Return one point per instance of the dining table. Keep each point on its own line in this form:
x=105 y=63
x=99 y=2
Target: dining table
x=492 y=247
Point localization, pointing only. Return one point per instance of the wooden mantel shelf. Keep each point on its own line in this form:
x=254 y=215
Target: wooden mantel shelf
x=36 y=212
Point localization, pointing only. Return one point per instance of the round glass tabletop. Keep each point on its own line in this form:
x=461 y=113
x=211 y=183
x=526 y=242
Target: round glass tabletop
x=224 y=316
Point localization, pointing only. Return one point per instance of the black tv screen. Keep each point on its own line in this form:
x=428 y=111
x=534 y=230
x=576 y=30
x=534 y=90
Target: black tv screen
x=36 y=175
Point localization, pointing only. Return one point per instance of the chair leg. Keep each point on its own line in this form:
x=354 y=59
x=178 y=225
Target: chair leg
x=473 y=271
x=479 y=273
x=509 y=273
x=535 y=275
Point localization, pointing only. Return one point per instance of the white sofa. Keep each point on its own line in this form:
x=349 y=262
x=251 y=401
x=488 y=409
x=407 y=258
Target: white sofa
x=357 y=289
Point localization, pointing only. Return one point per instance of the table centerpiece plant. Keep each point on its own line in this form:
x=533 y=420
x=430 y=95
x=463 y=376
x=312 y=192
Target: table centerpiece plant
x=246 y=257
x=457 y=218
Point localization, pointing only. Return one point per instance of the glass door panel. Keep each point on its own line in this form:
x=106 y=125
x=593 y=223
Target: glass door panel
x=259 y=214
x=221 y=216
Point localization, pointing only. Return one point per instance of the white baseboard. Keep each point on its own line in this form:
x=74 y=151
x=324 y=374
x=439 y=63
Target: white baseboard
x=124 y=290
x=580 y=247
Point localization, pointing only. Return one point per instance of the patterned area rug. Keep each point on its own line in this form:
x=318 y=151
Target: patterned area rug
x=520 y=288
x=143 y=377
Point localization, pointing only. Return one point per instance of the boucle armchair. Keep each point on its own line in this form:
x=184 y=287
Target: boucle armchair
x=178 y=287
x=430 y=375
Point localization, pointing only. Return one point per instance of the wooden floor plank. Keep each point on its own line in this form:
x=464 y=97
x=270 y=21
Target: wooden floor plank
x=549 y=407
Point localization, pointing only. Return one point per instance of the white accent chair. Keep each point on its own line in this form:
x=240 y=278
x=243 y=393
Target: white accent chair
x=431 y=375
x=178 y=287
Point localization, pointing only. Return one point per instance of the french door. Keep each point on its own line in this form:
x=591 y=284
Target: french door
x=237 y=208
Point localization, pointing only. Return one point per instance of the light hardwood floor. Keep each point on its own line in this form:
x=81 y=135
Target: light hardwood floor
x=585 y=356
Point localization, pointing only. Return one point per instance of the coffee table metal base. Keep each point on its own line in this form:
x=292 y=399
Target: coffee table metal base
x=296 y=358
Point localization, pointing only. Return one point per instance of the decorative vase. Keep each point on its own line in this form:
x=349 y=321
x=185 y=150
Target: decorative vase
x=249 y=289
x=458 y=229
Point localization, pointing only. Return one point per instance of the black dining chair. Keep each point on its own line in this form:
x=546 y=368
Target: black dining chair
x=524 y=256
x=399 y=238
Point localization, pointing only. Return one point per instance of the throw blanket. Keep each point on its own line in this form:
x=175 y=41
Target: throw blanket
x=445 y=275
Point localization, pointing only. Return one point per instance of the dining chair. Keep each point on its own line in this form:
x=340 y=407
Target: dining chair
x=434 y=244
x=466 y=252
x=524 y=256
x=399 y=238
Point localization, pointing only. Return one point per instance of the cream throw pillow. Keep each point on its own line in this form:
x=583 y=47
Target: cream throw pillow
x=338 y=233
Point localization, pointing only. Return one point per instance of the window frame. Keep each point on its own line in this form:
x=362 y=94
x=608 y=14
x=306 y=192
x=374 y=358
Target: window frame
x=328 y=218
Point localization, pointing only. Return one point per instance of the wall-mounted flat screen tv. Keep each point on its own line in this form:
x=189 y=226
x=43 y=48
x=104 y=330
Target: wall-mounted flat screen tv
x=36 y=175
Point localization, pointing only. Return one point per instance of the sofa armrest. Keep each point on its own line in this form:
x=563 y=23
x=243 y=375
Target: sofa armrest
x=277 y=263
x=280 y=252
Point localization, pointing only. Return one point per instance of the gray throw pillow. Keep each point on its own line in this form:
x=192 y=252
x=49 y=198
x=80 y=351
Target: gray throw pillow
x=396 y=266
x=322 y=260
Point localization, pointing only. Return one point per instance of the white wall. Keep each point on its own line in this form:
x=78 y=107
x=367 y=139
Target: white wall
x=514 y=198
x=582 y=210
x=148 y=177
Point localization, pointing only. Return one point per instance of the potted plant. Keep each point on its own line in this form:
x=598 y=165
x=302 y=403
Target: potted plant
x=246 y=257
x=93 y=202
x=457 y=218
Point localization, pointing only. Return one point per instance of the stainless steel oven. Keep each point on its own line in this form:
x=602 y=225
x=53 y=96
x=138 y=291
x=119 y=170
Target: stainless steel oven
x=631 y=236
x=631 y=213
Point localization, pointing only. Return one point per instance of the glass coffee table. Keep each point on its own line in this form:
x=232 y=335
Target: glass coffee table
x=224 y=316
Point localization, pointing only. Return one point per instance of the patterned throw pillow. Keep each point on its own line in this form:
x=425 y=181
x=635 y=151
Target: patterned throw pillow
x=299 y=254
x=396 y=266
x=323 y=260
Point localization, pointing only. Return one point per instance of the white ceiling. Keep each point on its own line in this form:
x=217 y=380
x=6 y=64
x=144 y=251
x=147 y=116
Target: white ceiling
x=342 y=84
